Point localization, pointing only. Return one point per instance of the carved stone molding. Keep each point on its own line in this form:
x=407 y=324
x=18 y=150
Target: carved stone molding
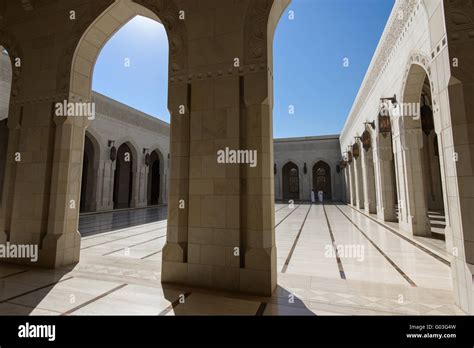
x=168 y=13
x=256 y=23
x=460 y=32
x=460 y=19
x=84 y=19
x=424 y=61
x=8 y=41
x=401 y=16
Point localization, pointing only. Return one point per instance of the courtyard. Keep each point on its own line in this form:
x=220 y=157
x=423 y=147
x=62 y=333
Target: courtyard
x=119 y=271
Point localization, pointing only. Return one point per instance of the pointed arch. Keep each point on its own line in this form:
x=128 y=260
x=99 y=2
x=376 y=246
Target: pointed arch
x=291 y=181
x=322 y=180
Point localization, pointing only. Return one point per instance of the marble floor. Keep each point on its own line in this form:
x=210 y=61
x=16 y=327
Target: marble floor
x=332 y=260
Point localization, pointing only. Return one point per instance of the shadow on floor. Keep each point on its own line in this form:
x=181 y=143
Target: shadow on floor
x=203 y=302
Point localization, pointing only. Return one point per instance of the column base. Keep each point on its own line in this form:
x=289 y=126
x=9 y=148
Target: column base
x=420 y=228
x=260 y=282
x=387 y=215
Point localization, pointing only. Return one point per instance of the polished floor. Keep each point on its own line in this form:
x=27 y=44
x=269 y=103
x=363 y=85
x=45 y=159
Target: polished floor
x=332 y=260
x=94 y=223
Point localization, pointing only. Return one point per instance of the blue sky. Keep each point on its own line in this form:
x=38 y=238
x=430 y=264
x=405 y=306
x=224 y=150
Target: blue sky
x=309 y=75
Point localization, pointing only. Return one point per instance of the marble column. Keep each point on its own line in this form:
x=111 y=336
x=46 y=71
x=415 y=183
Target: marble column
x=359 y=184
x=412 y=200
x=385 y=179
x=370 y=203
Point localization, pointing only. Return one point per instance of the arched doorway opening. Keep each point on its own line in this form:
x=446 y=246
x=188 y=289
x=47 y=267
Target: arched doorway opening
x=154 y=179
x=421 y=170
x=88 y=184
x=291 y=182
x=122 y=76
x=5 y=89
x=322 y=179
x=431 y=164
x=123 y=177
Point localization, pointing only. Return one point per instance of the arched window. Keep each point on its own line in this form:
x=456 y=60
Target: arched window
x=322 y=179
x=291 y=182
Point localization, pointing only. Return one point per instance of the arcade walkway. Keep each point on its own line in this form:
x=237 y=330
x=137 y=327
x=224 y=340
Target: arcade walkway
x=372 y=271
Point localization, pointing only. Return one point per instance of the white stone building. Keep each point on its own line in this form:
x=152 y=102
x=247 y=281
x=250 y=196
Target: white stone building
x=106 y=184
x=305 y=164
x=416 y=161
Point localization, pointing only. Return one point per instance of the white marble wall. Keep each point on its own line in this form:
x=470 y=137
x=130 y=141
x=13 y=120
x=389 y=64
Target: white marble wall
x=414 y=45
x=309 y=150
x=121 y=124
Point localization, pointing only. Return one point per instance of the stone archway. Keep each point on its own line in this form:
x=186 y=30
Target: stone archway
x=220 y=95
x=409 y=153
x=89 y=174
x=79 y=52
x=155 y=182
x=291 y=182
x=322 y=179
x=123 y=177
x=5 y=90
x=3 y=154
x=10 y=55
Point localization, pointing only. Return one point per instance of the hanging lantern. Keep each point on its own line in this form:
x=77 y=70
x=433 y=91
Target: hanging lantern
x=427 y=120
x=435 y=146
x=356 y=150
x=113 y=153
x=349 y=157
x=147 y=159
x=338 y=169
x=305 y=169
x=384 y=124
x=366 y=140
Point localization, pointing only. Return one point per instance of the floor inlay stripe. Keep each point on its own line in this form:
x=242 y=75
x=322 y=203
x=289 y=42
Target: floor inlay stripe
x=421 y=247
x=291 y=212
x=150 y=255
x=174 y=304
x=94 y=299
x=131 y=246
x=288 y=259
x=342 y=273
x=276 y=211
x=398 y=269
x=34 y=290
x=133 y=235
x=261 y=309
x=13 y=274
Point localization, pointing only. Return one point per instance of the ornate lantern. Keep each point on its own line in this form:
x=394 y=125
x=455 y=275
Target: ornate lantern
x=305 y=169
x=385 y=126
x=356 y=150
x=435 y=145
x=427 y=121
x=113 y=150
x=349 y=157
x=338 y=169
x=147 y=156
x=366 y=140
